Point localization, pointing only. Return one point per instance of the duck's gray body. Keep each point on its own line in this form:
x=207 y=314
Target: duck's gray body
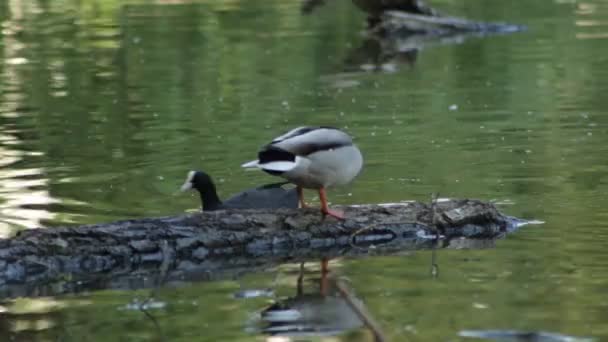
x=311 y=157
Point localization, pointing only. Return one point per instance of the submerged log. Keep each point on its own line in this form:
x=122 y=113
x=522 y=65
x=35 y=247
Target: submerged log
x=399 y=24
x=399 y=36
x=131 y=253
x=390 y=18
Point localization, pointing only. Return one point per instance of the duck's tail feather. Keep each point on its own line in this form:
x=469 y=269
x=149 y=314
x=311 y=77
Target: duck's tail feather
x=251 y=164
x=278 y=166
x=274 y=159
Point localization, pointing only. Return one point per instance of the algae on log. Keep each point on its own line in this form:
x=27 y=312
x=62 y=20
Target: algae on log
x=130 y=253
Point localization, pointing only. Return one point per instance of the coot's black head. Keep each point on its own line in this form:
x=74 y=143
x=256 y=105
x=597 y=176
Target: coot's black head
x=202 y=182
x=198 y=180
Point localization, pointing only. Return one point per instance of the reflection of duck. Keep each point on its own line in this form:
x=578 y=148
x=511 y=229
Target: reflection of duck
x=313 y=314
x=310 y=315
x=375 y=8
x=266 y=196
x=376 y=54
x=312 y=157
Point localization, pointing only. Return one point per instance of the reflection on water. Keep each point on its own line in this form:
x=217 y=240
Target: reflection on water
x=21 y=188
x=590 y=28
x=379 y=55
x=20 y=198
x=105 y=106
x=324 y=312
x=23 y=316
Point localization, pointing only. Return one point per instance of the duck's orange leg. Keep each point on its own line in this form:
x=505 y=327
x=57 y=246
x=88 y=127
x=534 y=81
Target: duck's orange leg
x=301 y=197
x=324 y=265
x=325 y=209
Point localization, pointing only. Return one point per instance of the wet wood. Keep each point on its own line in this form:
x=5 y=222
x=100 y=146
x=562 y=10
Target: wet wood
x=401 y=18
x=135 y=253
x=397 y=23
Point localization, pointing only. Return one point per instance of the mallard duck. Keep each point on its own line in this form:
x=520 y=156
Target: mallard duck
x=265 y=196
x=312 y=157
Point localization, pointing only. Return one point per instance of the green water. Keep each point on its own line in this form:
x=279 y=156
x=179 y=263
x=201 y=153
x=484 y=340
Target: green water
x=105 y=105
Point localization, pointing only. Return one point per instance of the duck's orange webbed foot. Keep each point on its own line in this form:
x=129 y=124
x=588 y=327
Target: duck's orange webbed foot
x=325 y=208
x=339 y=214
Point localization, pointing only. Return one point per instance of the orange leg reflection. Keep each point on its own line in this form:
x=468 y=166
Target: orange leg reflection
x=300 y=283
x=324 y=284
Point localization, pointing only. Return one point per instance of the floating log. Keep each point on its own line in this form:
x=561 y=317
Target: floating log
x=398 y=37
x=399 y=24
x=142 y=252
x=390 y=18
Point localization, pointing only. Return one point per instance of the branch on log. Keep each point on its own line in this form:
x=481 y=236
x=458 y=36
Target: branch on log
x=216 y=244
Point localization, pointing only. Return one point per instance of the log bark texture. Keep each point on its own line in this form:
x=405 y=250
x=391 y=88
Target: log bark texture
x=142 y=252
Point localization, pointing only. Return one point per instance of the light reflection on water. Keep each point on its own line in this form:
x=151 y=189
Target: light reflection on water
x=594 y=28
x=20 y=188
x=19 y=192
x=105 y=108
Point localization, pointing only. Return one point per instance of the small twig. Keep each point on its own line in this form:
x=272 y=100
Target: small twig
x=164 y=272
x=434 y=265
x=166 y=263
x=360 y=311
x=163 y=269
x=154 y=321
x=434 y=198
